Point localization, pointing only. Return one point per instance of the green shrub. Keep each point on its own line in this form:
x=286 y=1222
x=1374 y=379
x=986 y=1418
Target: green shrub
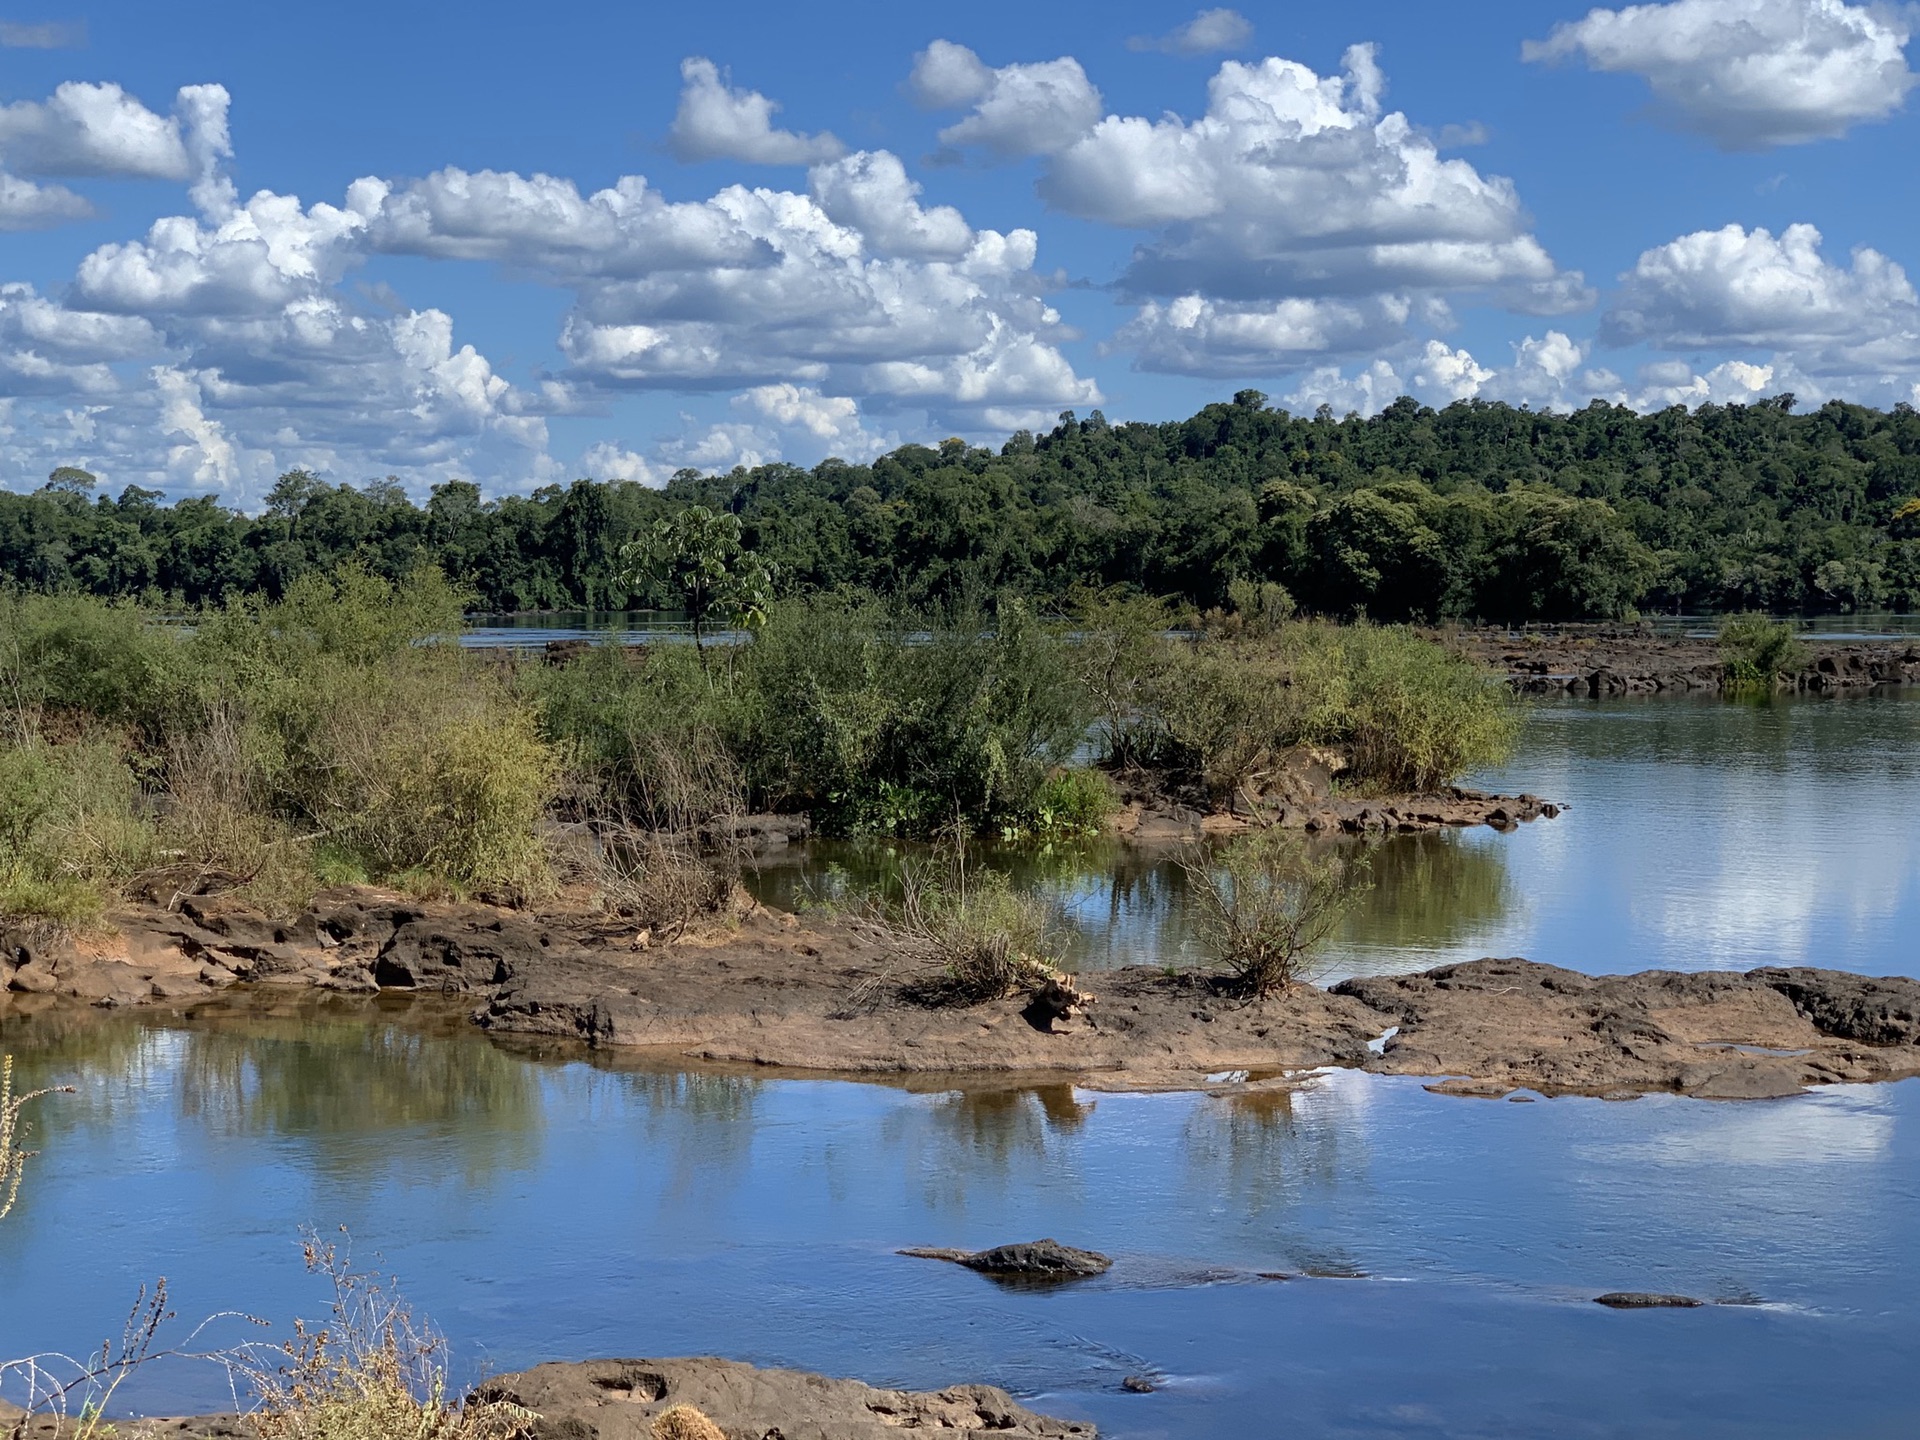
x=1118 y=639
x=1211 y=709
x=1409 y=714
x=1755 y=651
x=427 y=771
x=89 y=660
x=1072 y=804
x=69 y=831
x=845 y=710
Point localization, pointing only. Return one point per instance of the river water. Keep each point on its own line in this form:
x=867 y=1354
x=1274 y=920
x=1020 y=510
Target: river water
x=549 y=1206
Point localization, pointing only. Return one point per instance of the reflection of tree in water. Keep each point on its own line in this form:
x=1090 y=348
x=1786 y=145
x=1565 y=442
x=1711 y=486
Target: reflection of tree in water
x=699 y=1125
x=981 y=1134
x=1267 y=1153
x=1132 y=906
x=1128 y=905
x=1429 y=891
x=107 y=1056
x=362 y=1093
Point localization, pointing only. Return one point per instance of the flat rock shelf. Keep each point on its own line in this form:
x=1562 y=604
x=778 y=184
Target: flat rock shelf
x=828 y=996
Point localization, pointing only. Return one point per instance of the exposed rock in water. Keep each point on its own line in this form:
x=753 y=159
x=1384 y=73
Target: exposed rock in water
x=1029 y=1260
x=620 y=1399
x=1646 y=1300
x=1299 y=793
x=1609 y=660
x=1851 y=1007
x=1503 y=1025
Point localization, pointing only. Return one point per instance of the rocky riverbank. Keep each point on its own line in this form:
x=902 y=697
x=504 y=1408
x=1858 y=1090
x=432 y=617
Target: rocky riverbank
x=1602 y=660
x=621 y=1400
x=830 y=996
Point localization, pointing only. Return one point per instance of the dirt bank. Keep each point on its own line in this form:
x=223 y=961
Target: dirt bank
x=1600 y=660
x=827 y=995
x=620 y=1399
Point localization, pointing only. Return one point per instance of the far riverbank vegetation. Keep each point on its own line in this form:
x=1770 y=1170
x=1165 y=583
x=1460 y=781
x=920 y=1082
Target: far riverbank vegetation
x=1475 y=510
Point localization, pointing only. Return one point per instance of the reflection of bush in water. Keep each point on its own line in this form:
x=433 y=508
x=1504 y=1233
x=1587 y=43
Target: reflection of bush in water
x=338 y=1082
x=700 y=1126
x=1429 y=890
x=995 y=1127
x=1260 y=1151
x=1133 y=906
x=691 y=1092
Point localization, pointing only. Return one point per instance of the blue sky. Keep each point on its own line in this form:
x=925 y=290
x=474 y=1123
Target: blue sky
x=520 y=244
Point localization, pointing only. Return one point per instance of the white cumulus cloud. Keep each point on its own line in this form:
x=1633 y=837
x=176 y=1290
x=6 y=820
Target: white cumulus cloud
x=1673 y=382
x=88 y=129
x=27 y=206
x=1018 y=110
x=870 y=192
x=715 y=121
x=1207 y=33
x=1194 y=335
x=1751 y=73
x=1294 y=183
x=1735 y=287
x=1548 y=372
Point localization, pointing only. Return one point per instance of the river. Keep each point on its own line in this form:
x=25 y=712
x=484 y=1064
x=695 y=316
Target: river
x=552 y=1206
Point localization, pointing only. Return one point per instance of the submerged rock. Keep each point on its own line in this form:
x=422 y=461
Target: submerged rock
x=1028 y=1260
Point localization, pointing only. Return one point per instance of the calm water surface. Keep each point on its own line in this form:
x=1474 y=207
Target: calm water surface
x=1701 y=835
x=546 y=1207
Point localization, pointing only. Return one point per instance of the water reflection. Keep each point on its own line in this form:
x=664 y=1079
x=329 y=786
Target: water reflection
x=341 y=1085
x=1129 y=905
x=346 y=1082
x=1713 y=835
x=1701 y=834
x=609 y=1210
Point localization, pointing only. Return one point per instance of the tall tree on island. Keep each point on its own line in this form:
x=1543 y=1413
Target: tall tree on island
x=697 y=556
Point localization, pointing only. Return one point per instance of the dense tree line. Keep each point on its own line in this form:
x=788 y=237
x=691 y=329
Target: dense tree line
x=1476 y=510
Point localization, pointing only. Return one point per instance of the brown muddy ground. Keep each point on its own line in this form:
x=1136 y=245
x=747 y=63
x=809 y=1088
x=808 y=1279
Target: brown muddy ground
x=1601 y=660
x=832 y=996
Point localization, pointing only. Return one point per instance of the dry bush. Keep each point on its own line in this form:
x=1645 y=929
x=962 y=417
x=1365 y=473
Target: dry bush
x=373 y=1372
x=217 y=830
x=1268 y=901
x=657 y=857
x=683 y=1422
x=658 y=883
x=964 y=935
x=13 y=1129
x=430 y=769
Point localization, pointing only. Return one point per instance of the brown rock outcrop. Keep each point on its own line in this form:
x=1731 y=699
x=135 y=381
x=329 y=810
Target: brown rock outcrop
x=1713 y=1034
x=1608 y=660
x=621 y=1400
x=831 y=995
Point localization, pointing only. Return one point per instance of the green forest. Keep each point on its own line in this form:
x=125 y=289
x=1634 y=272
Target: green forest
x=1475 y=511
